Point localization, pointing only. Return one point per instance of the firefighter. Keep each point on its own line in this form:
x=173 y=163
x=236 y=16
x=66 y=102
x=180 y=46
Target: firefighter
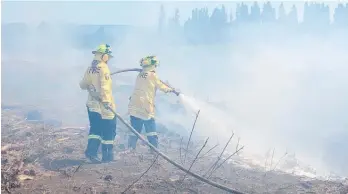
x=141 y=106
x=102 y=120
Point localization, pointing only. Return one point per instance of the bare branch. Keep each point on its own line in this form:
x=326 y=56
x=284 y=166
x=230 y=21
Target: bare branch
x=208 y=151
x=267 y=156
x=212 y=183
x=205 y=143
x=193 y=127
x=180 y=149
x=219 y=158
x=237 y=143
x=286 y=153
x=77 y=169
x=154 y=161
x=225 y=161
x=272 y=158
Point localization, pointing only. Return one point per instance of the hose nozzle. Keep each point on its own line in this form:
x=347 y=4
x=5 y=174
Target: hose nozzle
x=176 y=92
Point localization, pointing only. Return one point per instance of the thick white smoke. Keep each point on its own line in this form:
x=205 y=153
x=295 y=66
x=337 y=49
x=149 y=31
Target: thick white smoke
x=287 y=92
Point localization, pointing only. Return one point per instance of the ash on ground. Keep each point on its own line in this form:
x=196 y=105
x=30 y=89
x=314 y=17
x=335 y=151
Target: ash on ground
x=41 y=157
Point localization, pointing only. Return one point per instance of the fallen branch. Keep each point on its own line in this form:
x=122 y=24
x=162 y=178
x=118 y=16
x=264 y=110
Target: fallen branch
x=214 y=184
x=154 y=161
x=193 y=127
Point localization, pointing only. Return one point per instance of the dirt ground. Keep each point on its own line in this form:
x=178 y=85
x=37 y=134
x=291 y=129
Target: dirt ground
x=41 y=157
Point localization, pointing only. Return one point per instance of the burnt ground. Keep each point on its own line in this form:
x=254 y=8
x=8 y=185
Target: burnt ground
x=37 y=157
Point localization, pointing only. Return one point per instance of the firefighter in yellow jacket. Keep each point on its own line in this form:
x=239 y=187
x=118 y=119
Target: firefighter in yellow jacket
x=98 y=82
x=141 y=106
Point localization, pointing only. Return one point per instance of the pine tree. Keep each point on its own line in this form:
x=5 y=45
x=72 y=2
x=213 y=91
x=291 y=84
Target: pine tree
x=255 y=12
x=174 y=22
x=292 y=16
x=161 y=20
x=282 y=14
x=268 y=13
x=176 y=18
x=231 y=17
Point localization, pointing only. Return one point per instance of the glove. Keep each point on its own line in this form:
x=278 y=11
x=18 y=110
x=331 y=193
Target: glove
x=92 y=91
x=107 y=105
x=91 y=88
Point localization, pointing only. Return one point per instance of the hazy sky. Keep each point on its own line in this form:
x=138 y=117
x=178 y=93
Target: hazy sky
x=139 y=13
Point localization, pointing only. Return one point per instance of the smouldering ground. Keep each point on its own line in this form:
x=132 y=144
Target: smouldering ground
x=38 y=158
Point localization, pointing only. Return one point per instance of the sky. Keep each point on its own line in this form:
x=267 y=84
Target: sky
x=138 y=13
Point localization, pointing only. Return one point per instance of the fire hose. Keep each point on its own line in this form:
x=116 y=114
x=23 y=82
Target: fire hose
x=212 y=183
x=126 y=70
x=139 y=70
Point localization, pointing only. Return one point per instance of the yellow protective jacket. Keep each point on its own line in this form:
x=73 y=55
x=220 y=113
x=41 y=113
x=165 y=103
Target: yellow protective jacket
x=142 y=101
x=98 y=81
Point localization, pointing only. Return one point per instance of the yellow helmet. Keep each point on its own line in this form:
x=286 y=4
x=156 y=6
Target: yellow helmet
x=149 y=61
x=103 y=49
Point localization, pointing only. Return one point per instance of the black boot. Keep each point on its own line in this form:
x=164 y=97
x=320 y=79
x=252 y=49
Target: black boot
x=104 y=153
x=107 y=151
x=153 y=140
x=92 y=150
x=132 y=142
x=110 y=152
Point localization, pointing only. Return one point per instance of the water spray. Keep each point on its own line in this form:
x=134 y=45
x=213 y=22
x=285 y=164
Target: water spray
x=189 y=102
x=192 y=105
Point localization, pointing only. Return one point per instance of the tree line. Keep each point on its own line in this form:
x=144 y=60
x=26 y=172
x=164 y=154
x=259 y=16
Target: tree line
x=202 y=27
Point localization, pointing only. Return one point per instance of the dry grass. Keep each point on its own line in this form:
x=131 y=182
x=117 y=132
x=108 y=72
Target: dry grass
x=38 y=158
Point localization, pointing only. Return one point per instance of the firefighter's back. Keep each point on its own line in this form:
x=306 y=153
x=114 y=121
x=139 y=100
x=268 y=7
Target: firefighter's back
x=142 y=100
x=97 y=77
x=91 y=78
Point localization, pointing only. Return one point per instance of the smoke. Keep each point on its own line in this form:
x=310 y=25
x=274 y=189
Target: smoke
x=287 y=92
x=274 y=93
